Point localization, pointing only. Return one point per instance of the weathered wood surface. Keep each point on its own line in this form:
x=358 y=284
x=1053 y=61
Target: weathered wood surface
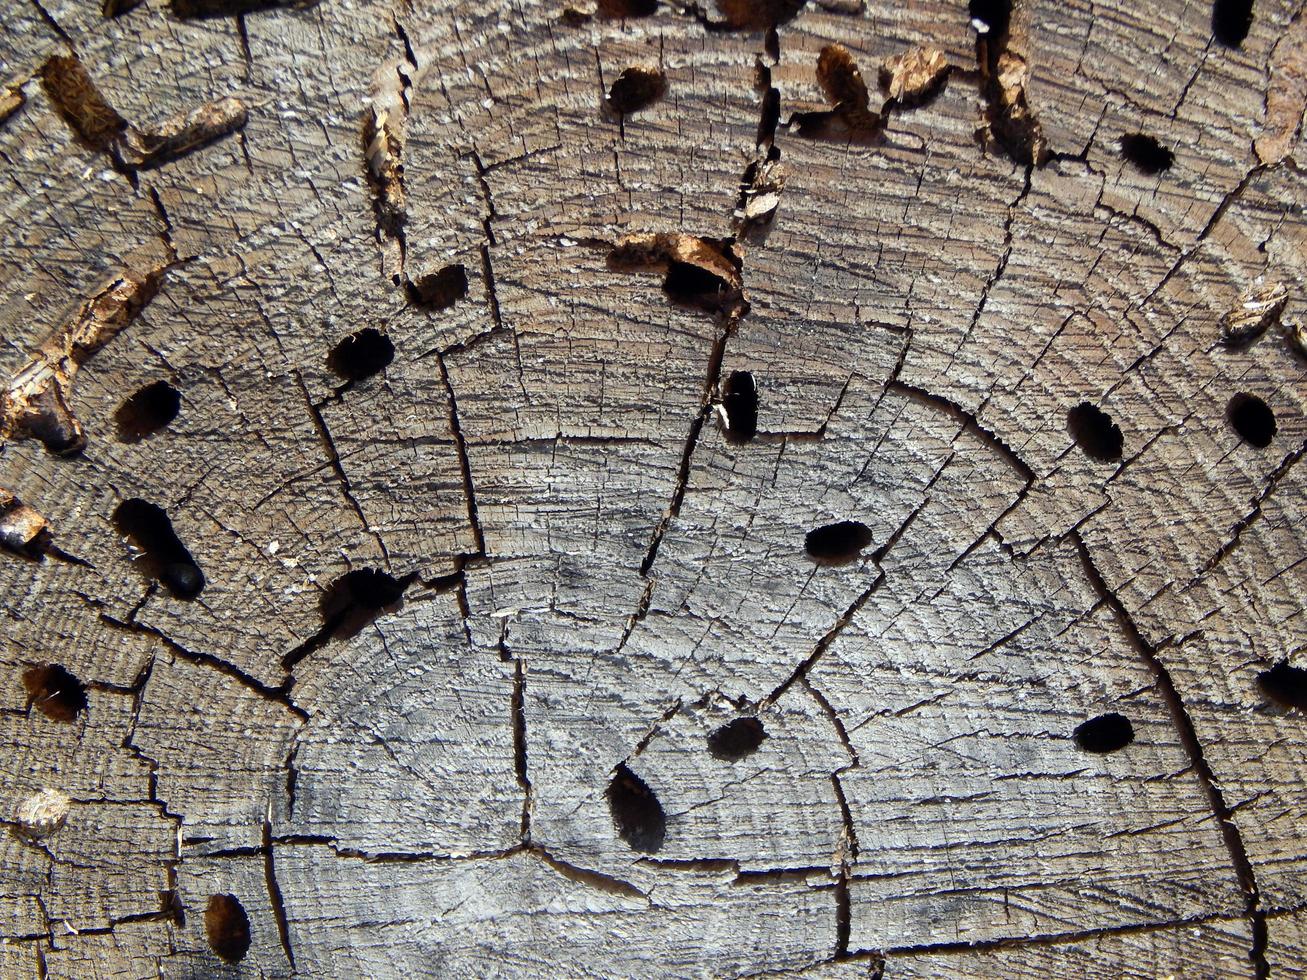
x=385 y=527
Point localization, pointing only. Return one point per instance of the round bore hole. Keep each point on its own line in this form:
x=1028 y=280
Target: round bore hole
x=736 y=739
x=1148 y=156
x=361 y=355
x=637 y=814
x=740 y=406
x=636 y=88
x=1095 y=433
x=1106 y=733
x=1285 y=685
x=837 y=544
x=147 y=411
x=1231 y=21
x=55 y=692
x=1252 y=418
x=228 y=927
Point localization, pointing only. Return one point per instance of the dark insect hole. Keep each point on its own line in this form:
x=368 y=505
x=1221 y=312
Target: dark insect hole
x=1149 y=156
x=1094 y=432
x=162 y=555
x=1231 y=21
x=740 y=406
x=990 y=17
x=637 y=814
x=356 y=598
x=692 y=285
x=438 y=290
x=736 y=739
x=228 y=927
x=1252 y=418
x=619 y=9
x=361 y=354
x=1106 y=733
x=837 y=544
x=147 y=411
x=55 y=692
x=635 y=89
x=1285 y=685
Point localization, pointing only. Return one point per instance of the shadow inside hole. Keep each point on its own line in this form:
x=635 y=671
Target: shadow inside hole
x=1285 y=685
x=161 y=556
x=361 y=355
x=844 y=125
x=358 y=597
x=55 y=692
x=740 y=406
x=637 y=814
x=1148 y=156
x=227 y=927
x=1231 y=21
x=1252 y=419
x=758 y=15
x=990 y=18
x=634 y=89
x=696 y=287
x=619 y=9
x=203 y=9
x=438 y=290
x=147 y=411
x=837 y=544
x=736 y=739
x=1106 y=733
x=1095 y=433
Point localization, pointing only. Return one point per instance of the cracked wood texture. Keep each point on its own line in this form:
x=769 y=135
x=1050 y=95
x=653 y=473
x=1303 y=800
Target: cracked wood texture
x=761 y=487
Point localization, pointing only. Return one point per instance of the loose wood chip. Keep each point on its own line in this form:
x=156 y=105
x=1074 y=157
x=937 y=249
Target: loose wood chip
x=42 y=813
x=915 y=75
x=1258 y=309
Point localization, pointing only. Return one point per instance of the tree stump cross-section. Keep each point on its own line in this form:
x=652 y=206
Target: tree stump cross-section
x=638 y=488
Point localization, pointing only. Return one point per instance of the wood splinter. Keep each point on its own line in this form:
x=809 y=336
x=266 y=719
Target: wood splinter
x=1259 y=307
x=36 y=403
x=914 y=76
x=22 y=529
x=182 y=133
x=88 y=113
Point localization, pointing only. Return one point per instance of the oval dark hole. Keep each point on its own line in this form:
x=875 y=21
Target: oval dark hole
x=740 y=405
x=1285 y=685
x=1106 y=733
x=355 y=599
x=228 y=927
x=439 y=290
x=1231 y=21
x=55 y=692
x=163 y=556
x=837 y=544
x=1148 y=155
x=147 y=411
x=616 y=9
x=1252 y=418
x=361 y=355
x=736 y=739
x=637 y=814
x=1094 y=432
x=635 y=89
